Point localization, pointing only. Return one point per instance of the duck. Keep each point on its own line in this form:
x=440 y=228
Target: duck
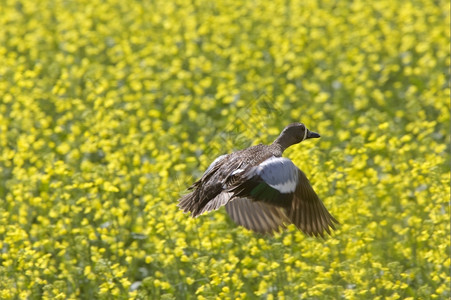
x=261 y=190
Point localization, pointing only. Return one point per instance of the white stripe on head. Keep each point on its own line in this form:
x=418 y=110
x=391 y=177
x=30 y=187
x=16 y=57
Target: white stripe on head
x=305 y=133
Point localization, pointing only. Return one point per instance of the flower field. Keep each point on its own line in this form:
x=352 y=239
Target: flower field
x=110 y=109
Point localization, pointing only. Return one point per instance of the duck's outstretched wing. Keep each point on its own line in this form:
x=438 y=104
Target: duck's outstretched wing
x=257 y=216
x=278 y=190
x=307 y=211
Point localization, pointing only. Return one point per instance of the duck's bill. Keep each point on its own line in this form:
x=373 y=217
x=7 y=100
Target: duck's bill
x=312 y=134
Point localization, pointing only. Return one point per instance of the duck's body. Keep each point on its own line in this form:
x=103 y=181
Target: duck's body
x=261 y=190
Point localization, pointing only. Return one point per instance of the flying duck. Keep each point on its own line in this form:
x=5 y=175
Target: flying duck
x=261 y=190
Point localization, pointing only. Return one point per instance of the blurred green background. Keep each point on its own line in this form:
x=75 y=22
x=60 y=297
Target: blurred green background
x=111 y=109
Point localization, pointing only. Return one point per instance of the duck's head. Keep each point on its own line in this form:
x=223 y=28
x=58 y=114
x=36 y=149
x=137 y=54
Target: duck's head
x=294 y=134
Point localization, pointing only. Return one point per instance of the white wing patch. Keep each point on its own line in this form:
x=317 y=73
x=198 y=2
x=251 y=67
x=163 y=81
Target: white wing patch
x=285 y=188
x=279 y=173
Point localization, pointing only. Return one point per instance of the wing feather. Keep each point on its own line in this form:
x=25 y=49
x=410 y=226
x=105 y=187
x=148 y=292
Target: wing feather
x=257 y=216
x=307 y=212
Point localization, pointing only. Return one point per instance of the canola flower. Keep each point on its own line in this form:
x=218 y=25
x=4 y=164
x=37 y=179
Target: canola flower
x=110 y=108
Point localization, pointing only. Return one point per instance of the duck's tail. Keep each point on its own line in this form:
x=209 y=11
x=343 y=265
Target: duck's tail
x=186 y=202
x=198 y=201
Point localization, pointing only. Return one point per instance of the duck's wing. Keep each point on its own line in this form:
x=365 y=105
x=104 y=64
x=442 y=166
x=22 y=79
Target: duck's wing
x=273 y=181
x=257 y=216
x=212 y=168
x=279 y=183
x=307 y=211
